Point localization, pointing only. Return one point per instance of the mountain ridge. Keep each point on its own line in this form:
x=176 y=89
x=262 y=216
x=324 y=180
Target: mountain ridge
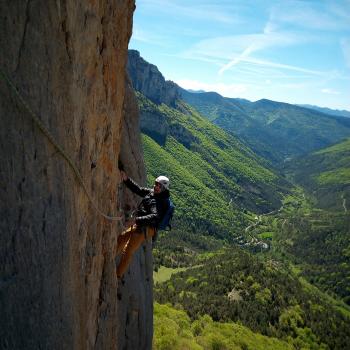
x=329 y=111
x=274 y=130
x=277 y=131
x=223 y=274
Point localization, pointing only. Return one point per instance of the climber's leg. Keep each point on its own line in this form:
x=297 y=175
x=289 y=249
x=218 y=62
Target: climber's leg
x=123 y=239
x=136 y=238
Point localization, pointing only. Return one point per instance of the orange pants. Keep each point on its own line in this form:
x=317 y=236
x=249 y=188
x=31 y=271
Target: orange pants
x=128 y=242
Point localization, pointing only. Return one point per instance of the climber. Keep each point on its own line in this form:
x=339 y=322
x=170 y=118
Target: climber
x=144 y=224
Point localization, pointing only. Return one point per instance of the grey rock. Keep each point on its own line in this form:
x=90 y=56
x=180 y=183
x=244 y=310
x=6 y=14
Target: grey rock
x=147 y=79
x=155 y=125
x=58 y=288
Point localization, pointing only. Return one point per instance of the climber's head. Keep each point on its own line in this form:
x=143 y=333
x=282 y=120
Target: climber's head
x=161 y=184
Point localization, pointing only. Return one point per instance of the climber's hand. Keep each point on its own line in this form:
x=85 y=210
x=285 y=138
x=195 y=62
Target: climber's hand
x=123 y=175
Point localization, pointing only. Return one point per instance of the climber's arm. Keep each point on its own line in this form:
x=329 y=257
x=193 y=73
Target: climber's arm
x=133 y=186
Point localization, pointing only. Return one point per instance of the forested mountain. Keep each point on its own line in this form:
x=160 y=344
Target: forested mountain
x=176 y=331
x=250 y=245
x=274 y=130
x=262 y=294
x=217 y=180
x=325 y=174
x=330 y=111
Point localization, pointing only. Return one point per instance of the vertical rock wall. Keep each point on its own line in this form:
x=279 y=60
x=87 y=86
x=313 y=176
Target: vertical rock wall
x=135 y=298
x=58 y=288
x=147 y=79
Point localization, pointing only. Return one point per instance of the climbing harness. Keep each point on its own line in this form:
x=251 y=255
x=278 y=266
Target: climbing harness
x=50 y=137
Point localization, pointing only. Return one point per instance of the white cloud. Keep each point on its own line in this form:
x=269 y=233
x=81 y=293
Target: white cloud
x=239 y=58
x=227 y=90
x=239 y=48
x=330 y=91
x=322 y=16
x=229 y=46
x=287 y=67
x=276 y=65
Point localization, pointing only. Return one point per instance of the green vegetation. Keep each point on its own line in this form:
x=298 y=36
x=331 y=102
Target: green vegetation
x=164 y=273
x=266 y=235
x=263 y=295
x=216 y=180
x=325 y=175
x=339 y=176
x=181 y=247
x=208 y=209
x=175 y=331
x=320 y=244
x=273 y=298
x=342 y=147
x=276 y=131
x=302 y=235
x=251 y=262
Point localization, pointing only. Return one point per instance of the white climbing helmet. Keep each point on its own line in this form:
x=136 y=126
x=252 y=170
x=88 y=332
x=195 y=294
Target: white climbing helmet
x=164 y=181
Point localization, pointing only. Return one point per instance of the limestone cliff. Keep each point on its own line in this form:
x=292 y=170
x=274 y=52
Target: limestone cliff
x=147 y=79
x=58 y=288
x=135 y=298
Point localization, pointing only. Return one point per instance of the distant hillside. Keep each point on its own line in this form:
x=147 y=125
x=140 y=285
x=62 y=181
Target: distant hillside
x=315 y=240
x=326 y=176
x=227 y=195
x=215 y=178
x=335 y=112
x=176 y=331
x=274 y=130
x=263 y=295
x=319 y=243
x=230 y=114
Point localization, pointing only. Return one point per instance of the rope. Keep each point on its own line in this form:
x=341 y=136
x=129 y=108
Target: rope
x=50 y=137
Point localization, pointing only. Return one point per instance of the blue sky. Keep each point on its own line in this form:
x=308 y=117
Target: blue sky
x=289 y=51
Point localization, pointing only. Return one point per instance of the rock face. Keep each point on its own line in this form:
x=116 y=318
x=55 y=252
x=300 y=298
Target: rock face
x=154 y=124
x=146 y=78
x=182 y=135
x=58 y=288
x=135 y=297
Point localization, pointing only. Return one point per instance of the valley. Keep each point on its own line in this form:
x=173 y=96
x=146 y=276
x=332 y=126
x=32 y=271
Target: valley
x=260 y=238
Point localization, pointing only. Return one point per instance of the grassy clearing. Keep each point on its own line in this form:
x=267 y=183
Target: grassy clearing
x=164 y=273
x=266 y=235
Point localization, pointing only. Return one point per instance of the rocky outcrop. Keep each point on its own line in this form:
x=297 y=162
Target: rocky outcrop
x=182 y=135
x=147 y=79
x=58 y=288
x=154 y=124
